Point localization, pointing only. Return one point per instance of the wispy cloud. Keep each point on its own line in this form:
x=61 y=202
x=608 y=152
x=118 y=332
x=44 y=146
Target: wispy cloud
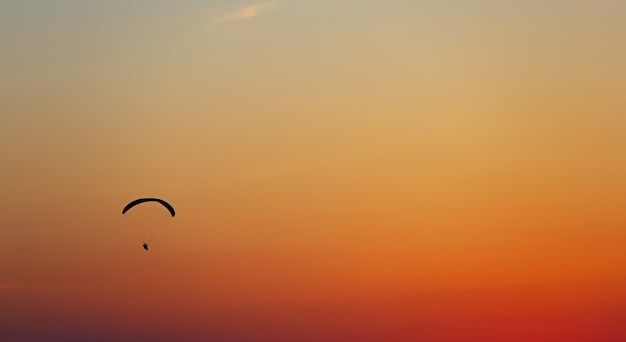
x=247 y=12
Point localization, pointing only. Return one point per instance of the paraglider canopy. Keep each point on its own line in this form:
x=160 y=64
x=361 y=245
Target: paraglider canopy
x=143 y=200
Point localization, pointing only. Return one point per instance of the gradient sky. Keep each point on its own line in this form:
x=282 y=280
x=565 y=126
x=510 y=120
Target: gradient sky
x=396 y=170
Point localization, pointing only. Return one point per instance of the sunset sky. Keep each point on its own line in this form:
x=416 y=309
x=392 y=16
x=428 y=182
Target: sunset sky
x=342 y=170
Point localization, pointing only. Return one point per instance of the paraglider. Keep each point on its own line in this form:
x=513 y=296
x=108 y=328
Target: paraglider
x=148 y=217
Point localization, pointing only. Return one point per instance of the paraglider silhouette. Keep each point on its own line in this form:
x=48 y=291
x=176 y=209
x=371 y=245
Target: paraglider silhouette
x=149 y=228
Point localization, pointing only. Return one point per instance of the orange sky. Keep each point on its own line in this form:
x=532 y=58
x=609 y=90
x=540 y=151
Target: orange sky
x=341 y=171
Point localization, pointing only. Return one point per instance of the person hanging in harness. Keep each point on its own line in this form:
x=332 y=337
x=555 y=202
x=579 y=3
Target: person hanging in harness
x=145 y=246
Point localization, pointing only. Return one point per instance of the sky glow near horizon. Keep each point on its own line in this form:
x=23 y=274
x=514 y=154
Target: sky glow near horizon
x=341 y=170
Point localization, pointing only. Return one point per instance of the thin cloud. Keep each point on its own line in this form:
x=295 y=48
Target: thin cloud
x=247 y=12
